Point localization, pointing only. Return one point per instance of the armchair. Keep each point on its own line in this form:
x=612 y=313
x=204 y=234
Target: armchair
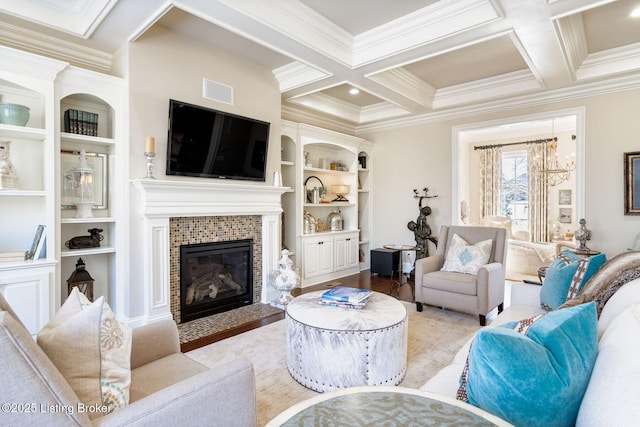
x=477 y=294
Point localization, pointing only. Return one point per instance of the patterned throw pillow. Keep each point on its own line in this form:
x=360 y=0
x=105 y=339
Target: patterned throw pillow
x=92 y=351
x=465 y=258
x=536 y=374
x=566 y=276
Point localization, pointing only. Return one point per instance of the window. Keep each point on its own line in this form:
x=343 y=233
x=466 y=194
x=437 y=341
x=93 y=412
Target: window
x=514 y=193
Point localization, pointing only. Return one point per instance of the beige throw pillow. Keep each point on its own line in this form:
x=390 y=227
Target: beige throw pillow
x=92 y=350
x=465 y=258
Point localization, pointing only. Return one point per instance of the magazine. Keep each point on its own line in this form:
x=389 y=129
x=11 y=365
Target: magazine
x=345 y=294
x=342 y=304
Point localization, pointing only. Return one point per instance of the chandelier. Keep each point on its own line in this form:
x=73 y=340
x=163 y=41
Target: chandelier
x=549 y=169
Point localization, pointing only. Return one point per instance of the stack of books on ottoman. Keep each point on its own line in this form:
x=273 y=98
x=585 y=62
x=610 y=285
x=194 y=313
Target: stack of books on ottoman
x=342 y=296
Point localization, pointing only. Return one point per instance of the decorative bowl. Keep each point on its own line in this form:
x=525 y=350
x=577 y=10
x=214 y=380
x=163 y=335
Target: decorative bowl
x=14 y=114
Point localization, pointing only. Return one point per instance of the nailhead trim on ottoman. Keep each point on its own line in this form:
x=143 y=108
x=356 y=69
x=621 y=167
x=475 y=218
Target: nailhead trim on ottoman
x=334 y=347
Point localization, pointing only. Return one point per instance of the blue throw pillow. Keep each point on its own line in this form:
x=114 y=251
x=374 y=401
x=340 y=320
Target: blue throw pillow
x=538 y=379
x=560 y=274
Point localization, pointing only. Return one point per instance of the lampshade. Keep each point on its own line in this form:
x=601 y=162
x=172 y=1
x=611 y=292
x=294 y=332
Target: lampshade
x=340 y=189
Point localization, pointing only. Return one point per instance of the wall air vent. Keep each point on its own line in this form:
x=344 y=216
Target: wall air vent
x=217 y=91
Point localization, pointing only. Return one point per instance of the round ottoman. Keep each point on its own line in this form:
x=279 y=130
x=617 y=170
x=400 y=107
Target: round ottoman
x=335 y=347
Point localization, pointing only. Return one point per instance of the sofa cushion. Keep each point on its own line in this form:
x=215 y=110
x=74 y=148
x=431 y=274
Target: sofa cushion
x=451 y=282
x=566 y=276
x=92 y=350
x=627 y=295
x=612 y=395
x=465 y=258
x=617 y=272
x=29 y=377
x=537 y=379
x=161 y=373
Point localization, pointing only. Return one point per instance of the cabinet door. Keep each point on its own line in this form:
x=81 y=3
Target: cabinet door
x=353 y=257
x=28 y=291
x=346 y=252
x=318 y=257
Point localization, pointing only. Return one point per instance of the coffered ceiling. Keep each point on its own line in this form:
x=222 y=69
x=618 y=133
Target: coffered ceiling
x=409 y=58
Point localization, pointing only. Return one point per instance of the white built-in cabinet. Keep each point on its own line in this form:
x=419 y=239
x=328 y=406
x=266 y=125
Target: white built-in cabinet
x=306 y=156
x=41 y=152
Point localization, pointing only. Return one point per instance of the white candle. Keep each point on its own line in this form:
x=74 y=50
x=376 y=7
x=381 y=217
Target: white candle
x=150 y=145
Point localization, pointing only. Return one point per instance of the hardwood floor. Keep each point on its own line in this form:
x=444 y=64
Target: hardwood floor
x=364 y=280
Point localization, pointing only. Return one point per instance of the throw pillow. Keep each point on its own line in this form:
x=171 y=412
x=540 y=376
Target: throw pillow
x=92 y=351
x=465 y=258
x=537 y=379
x=566 y=276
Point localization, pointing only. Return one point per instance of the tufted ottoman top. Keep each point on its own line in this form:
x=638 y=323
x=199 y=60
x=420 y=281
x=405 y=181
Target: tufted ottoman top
x=380 y=312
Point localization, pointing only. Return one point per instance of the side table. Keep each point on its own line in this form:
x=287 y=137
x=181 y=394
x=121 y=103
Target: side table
x=384 y=261
x=401 y=279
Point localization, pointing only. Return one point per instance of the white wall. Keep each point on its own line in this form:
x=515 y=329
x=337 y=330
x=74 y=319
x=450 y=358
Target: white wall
x=404 y=159
x=418 y=156
x=163 y=65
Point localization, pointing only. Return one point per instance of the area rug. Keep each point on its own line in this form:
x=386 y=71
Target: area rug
x=435 y=336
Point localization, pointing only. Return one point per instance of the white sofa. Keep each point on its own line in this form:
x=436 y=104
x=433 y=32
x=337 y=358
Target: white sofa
x=614 y=387
x=524 y=257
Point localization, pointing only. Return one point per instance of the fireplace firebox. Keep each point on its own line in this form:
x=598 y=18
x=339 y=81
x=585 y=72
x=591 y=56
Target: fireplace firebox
x=215 y=277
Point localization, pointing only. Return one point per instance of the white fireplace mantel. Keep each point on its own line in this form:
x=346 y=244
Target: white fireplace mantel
x=161 y=200
x=181 y=198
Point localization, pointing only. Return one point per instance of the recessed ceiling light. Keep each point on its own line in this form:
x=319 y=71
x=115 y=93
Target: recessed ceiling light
x=354 y=91
x=635 y=13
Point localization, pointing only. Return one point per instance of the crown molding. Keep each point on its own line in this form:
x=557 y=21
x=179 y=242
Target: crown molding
x=444 y=18
x=516 y=82
x=329 y=105
x=612 y=61
x=40 y=44
x=574 y=40
x=79 y=18
x=381 y=111
x=407 y=84
x=592 y=88
x=296 y=74
x=296 y=114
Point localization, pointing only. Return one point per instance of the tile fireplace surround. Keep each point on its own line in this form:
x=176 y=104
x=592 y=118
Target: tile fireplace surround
x=162 y=201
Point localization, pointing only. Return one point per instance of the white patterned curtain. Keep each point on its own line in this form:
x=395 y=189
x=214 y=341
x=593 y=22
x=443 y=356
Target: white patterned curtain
x=538 y=193
x=490 y=181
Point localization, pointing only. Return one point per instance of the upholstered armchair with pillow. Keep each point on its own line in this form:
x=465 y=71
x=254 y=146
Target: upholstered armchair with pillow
x=467 y=272
x=156 y=386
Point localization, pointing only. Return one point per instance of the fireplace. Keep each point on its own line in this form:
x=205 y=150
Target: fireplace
x=215 y=277
x=179 y=213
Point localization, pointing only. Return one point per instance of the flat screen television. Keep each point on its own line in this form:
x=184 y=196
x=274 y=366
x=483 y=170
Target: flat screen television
x=208 y=143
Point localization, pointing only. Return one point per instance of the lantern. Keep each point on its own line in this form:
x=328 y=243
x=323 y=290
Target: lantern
x=81 y=279
x=80 y=180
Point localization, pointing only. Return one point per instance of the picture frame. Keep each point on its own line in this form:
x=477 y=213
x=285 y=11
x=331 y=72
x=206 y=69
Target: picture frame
x=37 y=244
x=564 y=197
x=565 y=215
x=632 y=183
x=97 y=161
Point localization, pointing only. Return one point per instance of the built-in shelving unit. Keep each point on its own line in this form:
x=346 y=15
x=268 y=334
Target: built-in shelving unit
x=29 y=285
x=318 y=158
x=106 y=152
x=40 y=154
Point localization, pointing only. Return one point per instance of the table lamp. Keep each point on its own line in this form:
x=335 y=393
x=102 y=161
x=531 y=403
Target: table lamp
x=340 y=191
